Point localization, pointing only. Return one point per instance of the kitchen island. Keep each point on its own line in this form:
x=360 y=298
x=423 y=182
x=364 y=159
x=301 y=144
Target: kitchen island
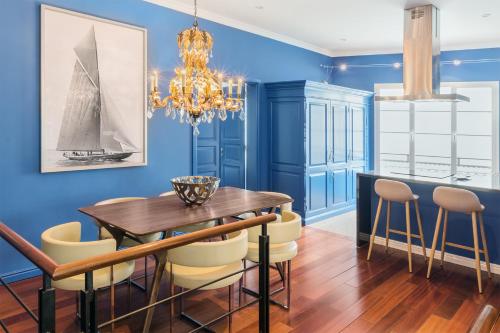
x=423 y=183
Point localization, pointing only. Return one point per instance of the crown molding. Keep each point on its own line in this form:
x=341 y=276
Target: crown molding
x=214 y=17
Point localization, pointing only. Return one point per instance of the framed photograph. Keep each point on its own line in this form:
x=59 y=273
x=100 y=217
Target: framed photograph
x=93 y=92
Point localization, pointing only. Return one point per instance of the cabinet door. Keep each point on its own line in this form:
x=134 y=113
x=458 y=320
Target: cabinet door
x=317 y=148
x=338 y=162
x=358 y=127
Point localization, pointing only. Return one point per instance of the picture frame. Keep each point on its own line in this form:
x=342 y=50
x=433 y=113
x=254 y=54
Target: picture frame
x=93 y=74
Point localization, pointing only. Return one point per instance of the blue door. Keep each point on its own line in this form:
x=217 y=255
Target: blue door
x=219 y=150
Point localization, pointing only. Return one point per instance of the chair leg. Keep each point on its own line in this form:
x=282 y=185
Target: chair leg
x=420 y=230
x=230 y=316
x=146 y=274
x=372 y=237
x=434 y=241
x=112 y=297
x=387 y=222
x=408 y=235
x=443 y=236
x=476 y=252
x=485 y=245
x=289 y=283
x=172 y=291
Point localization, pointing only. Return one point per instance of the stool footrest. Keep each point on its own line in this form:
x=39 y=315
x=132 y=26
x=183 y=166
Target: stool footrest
x=463 y=247
x=399 y=232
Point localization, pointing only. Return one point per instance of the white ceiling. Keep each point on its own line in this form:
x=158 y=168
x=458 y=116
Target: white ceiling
x=350 y=27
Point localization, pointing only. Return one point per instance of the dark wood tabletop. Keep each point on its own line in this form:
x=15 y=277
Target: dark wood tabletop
x=159 y=214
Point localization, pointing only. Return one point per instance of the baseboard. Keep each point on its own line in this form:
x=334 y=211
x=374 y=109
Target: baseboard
x=21 y=275
x=321 y=217
x=448 y=257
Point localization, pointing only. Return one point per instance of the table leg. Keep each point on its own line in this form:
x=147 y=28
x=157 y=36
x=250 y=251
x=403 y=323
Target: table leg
x=117 y=234
x=161 y=261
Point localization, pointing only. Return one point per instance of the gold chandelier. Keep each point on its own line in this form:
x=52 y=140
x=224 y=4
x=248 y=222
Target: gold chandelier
x=197 y=92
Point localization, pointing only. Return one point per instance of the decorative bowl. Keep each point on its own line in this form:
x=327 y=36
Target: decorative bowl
x=195 y=190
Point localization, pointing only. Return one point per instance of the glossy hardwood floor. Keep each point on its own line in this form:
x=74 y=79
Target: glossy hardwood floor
x=334 y=290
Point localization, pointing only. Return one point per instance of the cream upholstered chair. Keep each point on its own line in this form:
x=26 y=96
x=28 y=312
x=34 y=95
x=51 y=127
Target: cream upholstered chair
x=129 y=241
x=462 y=201
x=395 y=191
x=282 y=245
x=283 y=207
x=62 y=243
x=190 y=228
x=194 y=265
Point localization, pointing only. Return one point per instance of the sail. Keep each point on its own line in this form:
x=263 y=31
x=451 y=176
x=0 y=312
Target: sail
x=80 y=129
x=113 y=128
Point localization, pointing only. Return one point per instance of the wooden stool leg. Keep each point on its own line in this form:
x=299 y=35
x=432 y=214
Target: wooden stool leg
x=434 y=241
x=476 y=252
x=372 y=237
x=408 y=234
x=485 y=245
x=443 y=237
x=420 y=230
x=387 y=222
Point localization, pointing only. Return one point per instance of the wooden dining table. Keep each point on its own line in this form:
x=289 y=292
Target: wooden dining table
x=167 y=213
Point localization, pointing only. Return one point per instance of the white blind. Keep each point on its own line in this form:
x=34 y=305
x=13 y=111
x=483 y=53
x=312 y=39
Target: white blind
x=439 y=136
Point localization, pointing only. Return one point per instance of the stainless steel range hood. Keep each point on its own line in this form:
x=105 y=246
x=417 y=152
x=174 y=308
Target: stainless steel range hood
x=421 y=53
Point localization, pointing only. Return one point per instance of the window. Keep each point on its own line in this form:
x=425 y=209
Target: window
x=438 y=136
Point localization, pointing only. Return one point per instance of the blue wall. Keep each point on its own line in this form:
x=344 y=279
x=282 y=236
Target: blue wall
x=366 y=77
x=30 y=202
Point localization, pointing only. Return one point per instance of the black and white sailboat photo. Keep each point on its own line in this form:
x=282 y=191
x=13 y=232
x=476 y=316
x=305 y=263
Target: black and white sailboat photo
x=92 y=127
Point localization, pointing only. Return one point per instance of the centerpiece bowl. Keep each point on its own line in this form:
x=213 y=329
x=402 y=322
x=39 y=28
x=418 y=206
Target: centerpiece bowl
x=195 y=190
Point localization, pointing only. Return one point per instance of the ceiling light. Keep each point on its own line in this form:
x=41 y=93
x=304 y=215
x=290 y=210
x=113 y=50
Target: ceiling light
x=457 y=62
x=259 y=7
x=343 y=39
x=396 y=65
x=485 y=15
x=343 y=67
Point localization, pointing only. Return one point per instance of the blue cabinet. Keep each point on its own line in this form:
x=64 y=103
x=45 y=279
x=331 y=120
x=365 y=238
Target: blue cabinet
x=318 y=142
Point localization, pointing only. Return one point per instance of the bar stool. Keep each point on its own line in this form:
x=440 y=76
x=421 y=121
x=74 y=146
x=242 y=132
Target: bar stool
x=394 y=191
x=463 y=201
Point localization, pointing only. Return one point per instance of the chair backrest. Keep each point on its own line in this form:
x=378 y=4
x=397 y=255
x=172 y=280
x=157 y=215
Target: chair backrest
x=62 y=243
x=287 y=230
x=211 y=254
x=284 y=207
x=118 y=200
x=392 y=190
x=456 y=199
x=166 y=194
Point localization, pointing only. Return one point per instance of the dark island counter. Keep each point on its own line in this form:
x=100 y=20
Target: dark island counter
x=459 y=226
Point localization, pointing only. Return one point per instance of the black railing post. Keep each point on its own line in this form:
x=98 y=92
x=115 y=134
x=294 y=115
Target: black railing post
x=264 y=281
x=46 y=306
x=88 y=321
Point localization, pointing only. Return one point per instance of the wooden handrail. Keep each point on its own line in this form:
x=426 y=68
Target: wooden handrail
x=34 y=254
x=58 y=272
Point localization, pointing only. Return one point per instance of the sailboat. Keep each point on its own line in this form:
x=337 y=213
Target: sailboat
x=92 y=129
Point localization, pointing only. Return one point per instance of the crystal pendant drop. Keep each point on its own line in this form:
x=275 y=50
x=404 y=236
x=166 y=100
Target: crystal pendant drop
x=204 y=117
x=196 y=131
x=173 y=114
x=181 y=116
x=232 y=115
x=150 y=114
x=222 y=115
x=242 y=115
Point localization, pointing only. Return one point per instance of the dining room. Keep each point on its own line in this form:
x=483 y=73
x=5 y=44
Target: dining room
x=249 y=166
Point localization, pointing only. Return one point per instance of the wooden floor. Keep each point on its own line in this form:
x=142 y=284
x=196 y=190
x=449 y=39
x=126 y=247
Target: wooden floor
x=334 y=290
